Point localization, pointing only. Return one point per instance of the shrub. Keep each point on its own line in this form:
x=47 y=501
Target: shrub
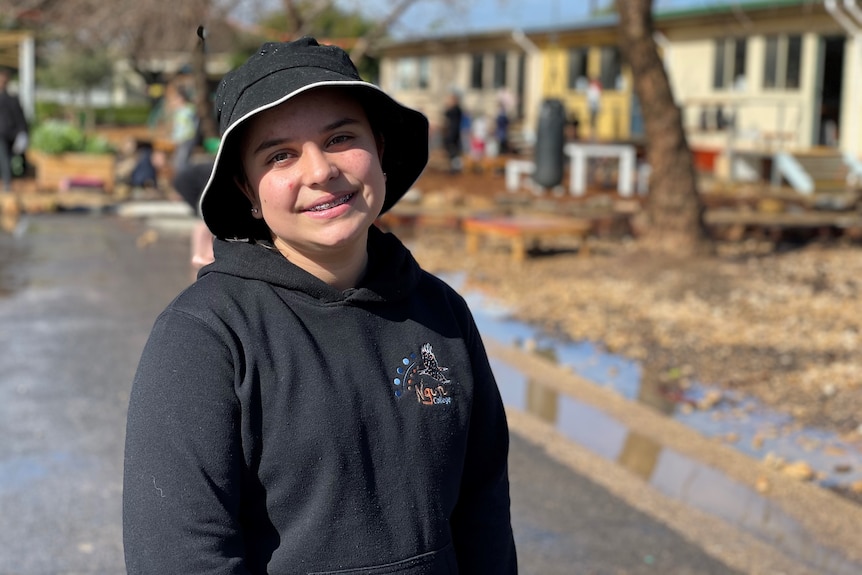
x=56 y=137
x=125 y=116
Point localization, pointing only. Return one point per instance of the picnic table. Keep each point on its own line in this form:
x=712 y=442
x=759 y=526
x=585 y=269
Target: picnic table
x=524 y=231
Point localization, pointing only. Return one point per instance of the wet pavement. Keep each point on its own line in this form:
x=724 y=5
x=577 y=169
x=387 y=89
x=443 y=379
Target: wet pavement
x=78 y=294
x=79 y=298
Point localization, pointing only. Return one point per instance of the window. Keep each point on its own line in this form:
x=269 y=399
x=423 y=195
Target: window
x=738 y=76
x=781 y=67
x=405 y=73
x=770 y=65
x=610 y=74
x=718 y=65
x=794 y=62
x=412 y=73
x=520 y=81
x=577 y=69
x=422 y=80
x=477 y=71
x=728 y=70
x=500 y=70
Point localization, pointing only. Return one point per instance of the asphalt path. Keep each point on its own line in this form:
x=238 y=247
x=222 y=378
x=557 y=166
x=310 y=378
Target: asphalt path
x=78 y=295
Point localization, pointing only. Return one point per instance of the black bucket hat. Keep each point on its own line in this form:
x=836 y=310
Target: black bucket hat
x=273 y=75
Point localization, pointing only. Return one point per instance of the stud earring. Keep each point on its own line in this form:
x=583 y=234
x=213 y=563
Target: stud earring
x=254 y=211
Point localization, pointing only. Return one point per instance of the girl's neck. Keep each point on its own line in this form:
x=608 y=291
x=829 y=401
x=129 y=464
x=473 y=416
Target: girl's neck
x=342 y=269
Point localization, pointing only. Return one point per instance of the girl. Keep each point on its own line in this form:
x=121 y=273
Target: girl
x=315 y=402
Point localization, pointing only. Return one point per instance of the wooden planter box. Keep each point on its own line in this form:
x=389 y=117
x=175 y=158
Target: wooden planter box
x=55 y=172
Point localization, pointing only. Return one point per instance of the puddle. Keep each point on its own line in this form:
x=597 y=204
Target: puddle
x=19 y=473
x=740 y=421
x=672 y=473
x=747 y=425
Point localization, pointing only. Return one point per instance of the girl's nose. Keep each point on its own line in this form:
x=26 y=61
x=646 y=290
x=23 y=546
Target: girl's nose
x=317 y=166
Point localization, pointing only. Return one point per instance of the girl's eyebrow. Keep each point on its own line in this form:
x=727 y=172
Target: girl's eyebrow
x=327 y=128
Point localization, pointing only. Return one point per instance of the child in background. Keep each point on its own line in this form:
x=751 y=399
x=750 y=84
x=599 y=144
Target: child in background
x=184 y=127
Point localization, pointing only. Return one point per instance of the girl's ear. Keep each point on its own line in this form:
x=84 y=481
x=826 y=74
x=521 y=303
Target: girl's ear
x=246 y=189
x=240 y=182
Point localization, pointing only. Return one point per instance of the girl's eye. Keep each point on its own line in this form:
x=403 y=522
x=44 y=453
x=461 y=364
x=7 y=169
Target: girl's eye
x=279 y=157
x=339 y=139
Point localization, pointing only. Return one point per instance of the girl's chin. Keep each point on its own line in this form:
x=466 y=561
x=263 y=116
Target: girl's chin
x=331 y=239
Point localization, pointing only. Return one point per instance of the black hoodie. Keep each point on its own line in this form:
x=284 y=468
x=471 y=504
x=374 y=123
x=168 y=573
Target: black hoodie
x=279 y=425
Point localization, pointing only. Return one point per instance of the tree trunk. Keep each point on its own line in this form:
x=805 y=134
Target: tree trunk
x=674 y=208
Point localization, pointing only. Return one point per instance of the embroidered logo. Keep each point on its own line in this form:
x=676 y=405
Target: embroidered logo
x=424 y=376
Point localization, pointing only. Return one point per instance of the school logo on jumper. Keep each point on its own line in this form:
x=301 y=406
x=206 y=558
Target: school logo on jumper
x=423 y=375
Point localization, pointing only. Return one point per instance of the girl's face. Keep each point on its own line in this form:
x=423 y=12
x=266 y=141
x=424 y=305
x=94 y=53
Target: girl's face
x=312 y=169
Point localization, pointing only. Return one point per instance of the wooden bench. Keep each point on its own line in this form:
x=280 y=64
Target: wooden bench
x=524 y=231
x=52 y=170
x=484 y=164
x=734 y=224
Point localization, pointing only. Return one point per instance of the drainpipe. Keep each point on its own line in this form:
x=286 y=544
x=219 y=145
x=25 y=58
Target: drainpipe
x=521 y=39
x=664 y=44
x=27 y=76
x=854 y=31
x=535 y=80
x=853 y=9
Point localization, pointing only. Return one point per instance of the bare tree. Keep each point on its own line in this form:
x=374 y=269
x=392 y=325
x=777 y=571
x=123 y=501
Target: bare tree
x=144 y=31
x=368 y=42
x=674 y=208
x=139 y=31
x=302 y=14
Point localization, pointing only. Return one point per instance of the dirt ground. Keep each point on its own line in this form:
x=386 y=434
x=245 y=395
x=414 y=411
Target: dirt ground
x=782 y=323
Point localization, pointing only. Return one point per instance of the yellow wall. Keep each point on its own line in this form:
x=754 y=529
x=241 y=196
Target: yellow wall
x=614 y=119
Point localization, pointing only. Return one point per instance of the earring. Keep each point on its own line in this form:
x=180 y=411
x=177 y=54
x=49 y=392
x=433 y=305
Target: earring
x=254 y=211
x=384 y=175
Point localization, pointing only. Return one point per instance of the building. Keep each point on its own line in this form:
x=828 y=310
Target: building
x=576 y=55
x=17 y=52
x=520 y=67
x=483 y=69
x=764 y=78
x=763 y=86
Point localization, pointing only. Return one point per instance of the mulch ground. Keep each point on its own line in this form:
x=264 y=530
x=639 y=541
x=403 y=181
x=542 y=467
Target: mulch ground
x=780 y=322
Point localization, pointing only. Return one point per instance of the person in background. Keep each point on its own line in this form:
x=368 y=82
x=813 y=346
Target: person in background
x=453 y=117
x=13 y=129
x=184 y=126
x=479 y=133
x=189 y=183
x=315 y=402
x=144 y=174
x=501 y=129
x=572 y=130
x=594 y=105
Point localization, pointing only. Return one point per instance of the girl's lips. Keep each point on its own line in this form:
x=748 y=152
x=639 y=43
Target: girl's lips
x=323 y=206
